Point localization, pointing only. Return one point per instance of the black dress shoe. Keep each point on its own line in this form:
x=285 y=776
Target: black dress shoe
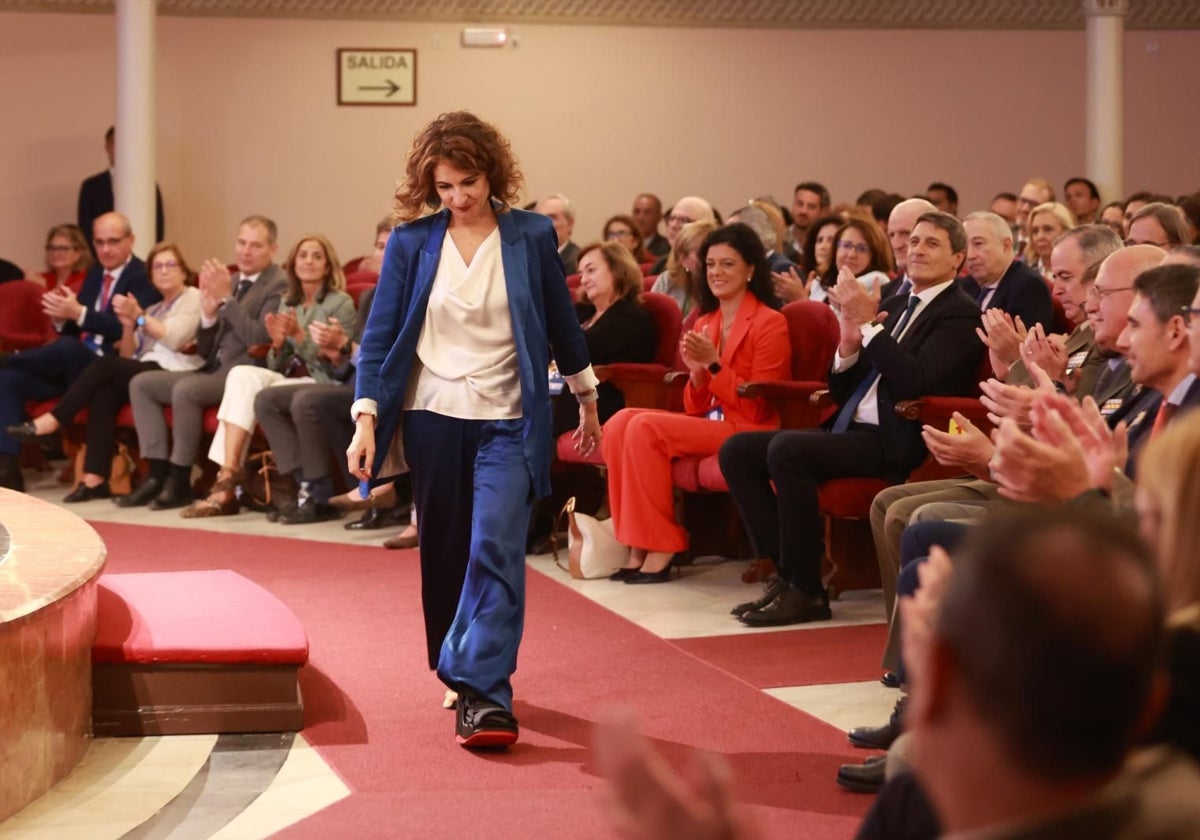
x=867 y=777
x=307 y=512
x=83 y=493
x=891 y=679
x=793 y=606
x=145 y=493
x=880 y=737
x=772 y=589
x=480 y=723
x=23 y=432
x=376 y=517
x=172 y=496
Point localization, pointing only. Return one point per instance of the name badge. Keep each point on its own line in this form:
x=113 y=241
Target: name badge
x=717 y=413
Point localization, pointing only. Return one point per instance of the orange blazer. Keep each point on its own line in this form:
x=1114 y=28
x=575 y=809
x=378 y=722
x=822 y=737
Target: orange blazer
x=758 y=349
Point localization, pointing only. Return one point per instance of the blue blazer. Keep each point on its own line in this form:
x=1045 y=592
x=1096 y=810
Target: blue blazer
x=543 y=318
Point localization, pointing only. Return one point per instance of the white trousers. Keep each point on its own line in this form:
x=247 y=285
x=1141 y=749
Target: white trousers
x=237 y=404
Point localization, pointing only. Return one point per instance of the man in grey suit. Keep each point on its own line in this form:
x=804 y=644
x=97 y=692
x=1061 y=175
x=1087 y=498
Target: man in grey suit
x=559 y=209
x=231 y=322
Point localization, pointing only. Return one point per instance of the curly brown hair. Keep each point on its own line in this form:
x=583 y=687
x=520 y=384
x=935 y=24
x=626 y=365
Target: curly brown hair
x=468 y=143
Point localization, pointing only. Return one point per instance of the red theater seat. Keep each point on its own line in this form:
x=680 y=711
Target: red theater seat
x=22 y=322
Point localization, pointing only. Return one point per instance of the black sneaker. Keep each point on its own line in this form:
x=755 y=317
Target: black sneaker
x=481 y=724
x=772 y=589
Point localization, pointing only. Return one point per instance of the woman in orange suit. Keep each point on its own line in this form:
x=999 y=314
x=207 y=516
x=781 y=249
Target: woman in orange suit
x=739 y=337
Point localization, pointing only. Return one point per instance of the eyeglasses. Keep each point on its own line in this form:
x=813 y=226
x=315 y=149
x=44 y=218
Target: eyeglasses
x=1096 y=293
x=619 y=234
x=109 y=243
x=164 y=265
x=59 y=249
x=1188 y=312
x=858 y=247
x=676 y=219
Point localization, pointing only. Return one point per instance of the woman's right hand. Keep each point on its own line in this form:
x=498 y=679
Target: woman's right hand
x=361 y=454
x=790 y=286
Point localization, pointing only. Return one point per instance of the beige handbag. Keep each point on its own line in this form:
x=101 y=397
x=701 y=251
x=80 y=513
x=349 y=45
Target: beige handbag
x=592 y=548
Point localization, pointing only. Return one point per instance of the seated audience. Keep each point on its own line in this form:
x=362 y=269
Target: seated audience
x=648 y=212
x=1006 y=650
x=997 y=280
x=816 y=257
x=810 y=200
x=943 y=196
x=1004 y=205
x=859 y=246
x=1158 y=224
x=67 y=259
x=315 y=295
x=678 y=282
x=926 y=346
x=1113 y=216
x=758 y=221
x=616 y=326
x=624 y=231
x=1046 y=223
x=687 y=210
x=88 y=328
x=1037 y=191
x=1083 y=199
x=154 y=338
x=231 y=322
x=561 y=211
x=739 y=337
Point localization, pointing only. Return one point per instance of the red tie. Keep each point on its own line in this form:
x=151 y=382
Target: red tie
x=104 y=292
x=1165 y=411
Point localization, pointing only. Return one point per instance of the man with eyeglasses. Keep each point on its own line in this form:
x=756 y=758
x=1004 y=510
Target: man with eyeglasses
x=87 y=327
x=686 y=210
x=96 y=195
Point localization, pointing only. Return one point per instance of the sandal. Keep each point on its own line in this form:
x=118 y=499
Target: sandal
x=229 y=483
x=210 y=507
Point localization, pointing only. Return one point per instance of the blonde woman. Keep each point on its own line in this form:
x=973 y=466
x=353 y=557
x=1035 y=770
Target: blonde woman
x=683 y=266
x=1047 y=222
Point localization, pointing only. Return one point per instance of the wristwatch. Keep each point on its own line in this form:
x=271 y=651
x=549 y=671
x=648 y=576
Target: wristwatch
x=141 y=320
x=714 y=368
x=347 y=348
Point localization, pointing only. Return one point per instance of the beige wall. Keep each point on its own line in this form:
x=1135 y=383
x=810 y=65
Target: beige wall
x=248 y=122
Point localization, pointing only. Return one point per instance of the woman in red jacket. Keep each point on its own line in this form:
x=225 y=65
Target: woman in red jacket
x=739 y=337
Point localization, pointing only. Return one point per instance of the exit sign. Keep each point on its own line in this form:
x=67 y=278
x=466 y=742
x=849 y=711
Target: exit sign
x=376 y=76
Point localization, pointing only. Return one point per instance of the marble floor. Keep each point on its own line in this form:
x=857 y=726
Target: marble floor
x=251 y=786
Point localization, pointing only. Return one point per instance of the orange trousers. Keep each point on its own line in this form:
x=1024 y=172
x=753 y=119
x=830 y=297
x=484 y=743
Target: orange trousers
x=638 y=446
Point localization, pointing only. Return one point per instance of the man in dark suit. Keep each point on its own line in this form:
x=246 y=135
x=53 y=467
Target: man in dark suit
x=231 y=322
x=997 y=280
x=87 y=327
x=901 y=222
x=561 y=211
x=926 y=345
x=1156 y=343
x=648 y=213
x=96 y=196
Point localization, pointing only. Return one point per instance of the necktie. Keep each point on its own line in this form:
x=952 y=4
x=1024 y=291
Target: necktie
x=105 y=292
x=846 y=412
x=243 y=286
x=981 y=298
x=1165 y=412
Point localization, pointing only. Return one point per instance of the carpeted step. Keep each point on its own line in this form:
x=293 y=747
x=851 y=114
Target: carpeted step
x=193 y=652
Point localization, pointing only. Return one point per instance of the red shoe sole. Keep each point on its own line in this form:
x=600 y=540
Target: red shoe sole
x=488 y=738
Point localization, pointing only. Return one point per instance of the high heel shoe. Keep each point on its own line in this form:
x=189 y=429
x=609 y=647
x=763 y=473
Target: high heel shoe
x=625 y=574
x=661 y=576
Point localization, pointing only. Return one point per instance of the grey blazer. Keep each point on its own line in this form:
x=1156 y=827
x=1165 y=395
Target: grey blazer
x=240 y=324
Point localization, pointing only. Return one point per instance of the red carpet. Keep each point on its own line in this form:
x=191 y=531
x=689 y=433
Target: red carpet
x=795 y=657
x=374 y=713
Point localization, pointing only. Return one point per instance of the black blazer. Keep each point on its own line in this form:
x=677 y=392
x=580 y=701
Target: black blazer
x=1021 y=291
x=96 y=199
x=133 y=281
x=938 y=355
x=625 y=333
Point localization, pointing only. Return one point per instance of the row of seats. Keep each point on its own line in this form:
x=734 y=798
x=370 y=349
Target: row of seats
x=803 y=402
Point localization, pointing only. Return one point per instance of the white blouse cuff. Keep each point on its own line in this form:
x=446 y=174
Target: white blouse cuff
x=585 y=380
x=364 y=405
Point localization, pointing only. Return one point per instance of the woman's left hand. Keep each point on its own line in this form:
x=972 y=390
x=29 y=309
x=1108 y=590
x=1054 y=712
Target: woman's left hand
x=587 y=436
x=697 y=350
